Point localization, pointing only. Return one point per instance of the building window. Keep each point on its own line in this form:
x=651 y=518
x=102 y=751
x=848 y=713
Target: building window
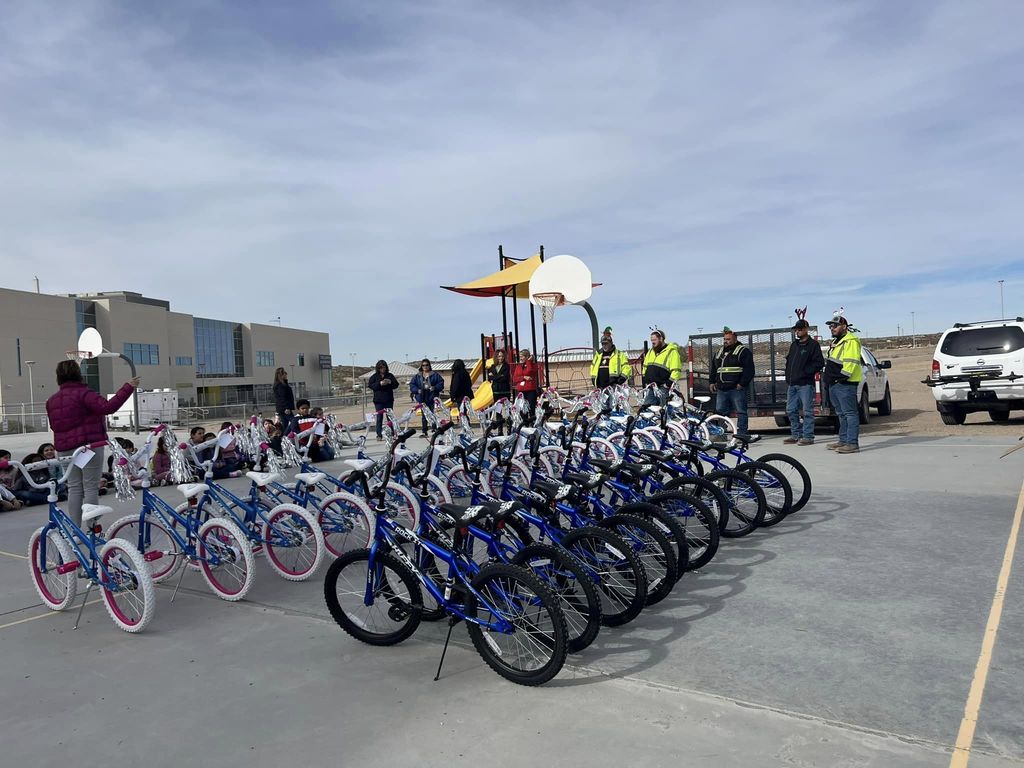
x=218 y=348
x=300 y=360
x=85 y=317
x=265 y=359
x=142 y=354
x=184 y=361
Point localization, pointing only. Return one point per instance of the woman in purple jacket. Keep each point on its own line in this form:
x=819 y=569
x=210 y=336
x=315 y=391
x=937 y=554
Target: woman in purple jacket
x=78 y=417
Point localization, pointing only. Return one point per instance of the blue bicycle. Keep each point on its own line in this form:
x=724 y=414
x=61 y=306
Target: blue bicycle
x=60 y=550
x=376 y=595
x=169 y=537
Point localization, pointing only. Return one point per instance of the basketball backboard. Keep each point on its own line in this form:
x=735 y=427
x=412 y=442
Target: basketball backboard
x=563 y=274
x=90 y=341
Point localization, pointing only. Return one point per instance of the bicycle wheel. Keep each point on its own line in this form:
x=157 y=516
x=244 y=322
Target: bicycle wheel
x=699 y=525
x=795 y=473
x=225 y=558
x=656 y=552
x=493 y=476
x=553 y=459
x=402 y=504
x=437 y=492
x=778 y=494
x=457 y=482
x=534 y=650
x=389 y=614
x=622 y=580
x=667 y=524
x=127 y=588
x=746 y=501
x=346 y=522
x=294 y=542
x=566 y=577
x=151 y=538
x=717 y=429
x=55 y=589
x=705 y=491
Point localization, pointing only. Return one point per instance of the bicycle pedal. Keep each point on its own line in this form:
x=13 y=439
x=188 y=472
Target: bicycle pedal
x=68 y=567
x=152 y=555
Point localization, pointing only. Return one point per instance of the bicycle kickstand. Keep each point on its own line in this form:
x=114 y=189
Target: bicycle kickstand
x=451 y=625
x=175 y=593
x=82 y=606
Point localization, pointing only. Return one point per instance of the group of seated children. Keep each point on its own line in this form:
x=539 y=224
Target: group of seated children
x=16 y=492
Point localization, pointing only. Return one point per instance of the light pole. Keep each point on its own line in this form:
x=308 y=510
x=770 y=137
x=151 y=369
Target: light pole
x=31 y=390
x=913 y=331
x=1002 y=309
x=352 y=357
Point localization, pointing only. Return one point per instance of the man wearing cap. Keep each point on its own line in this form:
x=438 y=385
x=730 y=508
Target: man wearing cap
x=732 y=371
x=610 y=365
x=803 y=361
x=843 y=374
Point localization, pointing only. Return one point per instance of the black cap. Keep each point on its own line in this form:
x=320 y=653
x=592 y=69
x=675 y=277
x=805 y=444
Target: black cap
x=837 y=320
x=801 y=324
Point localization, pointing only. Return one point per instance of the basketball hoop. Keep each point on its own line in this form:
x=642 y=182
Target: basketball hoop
x=548 y=302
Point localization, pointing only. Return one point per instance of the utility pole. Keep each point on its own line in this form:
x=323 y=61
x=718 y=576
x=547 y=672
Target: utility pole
x=31 y=388
x=1002 y=309
x=913 y=331
x=352 y=357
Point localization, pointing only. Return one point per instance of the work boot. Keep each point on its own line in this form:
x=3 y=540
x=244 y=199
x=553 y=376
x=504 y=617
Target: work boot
x=790 y=441
x=806 y=441
x=835 y=446
x=848 y=448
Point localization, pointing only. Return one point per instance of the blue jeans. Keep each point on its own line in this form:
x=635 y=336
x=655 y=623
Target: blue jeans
x=730 y=400
x=800 y=397
x=844 y=400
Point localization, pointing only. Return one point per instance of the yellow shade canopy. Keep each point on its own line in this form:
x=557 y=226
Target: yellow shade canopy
x=517 y=275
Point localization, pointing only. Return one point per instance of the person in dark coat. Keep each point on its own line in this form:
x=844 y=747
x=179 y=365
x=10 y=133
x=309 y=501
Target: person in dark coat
x=803 y=362
x=425 y=386
x=500 y=376
x=383 y=383
x=284 y=398
x=78 y=417
x=461 y=386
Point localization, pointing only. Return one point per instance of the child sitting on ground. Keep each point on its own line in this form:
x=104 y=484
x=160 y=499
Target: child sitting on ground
x=26 y=493
x=8 y=501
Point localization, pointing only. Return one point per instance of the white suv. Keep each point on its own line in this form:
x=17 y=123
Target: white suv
x=979 y=367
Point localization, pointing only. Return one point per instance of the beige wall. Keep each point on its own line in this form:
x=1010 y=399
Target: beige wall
x=287 y=344
x=45 y=326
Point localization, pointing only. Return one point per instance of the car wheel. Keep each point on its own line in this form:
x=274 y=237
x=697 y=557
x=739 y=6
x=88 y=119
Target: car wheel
x=885 y=407
x=954 y=416
x=865 y=407
x=999 y=416
x=782 y=421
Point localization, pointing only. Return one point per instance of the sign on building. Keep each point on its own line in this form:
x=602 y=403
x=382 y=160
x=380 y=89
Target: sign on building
x=325 y=362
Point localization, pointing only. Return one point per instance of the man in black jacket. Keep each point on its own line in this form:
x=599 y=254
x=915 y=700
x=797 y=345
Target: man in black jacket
x=803 y=361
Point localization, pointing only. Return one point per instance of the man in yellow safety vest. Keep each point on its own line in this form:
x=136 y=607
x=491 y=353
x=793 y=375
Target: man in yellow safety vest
x=843 y=374
x=610 y=365
x=663 y=366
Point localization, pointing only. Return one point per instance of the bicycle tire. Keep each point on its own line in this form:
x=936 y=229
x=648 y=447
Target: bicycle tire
x=746 y=501
x=668 y=525
x=506 y=589
x=778 y=493
x=566 y=577
x=702 y=532
x=225 y=560
x=301 y=556
x=622 y=580
x=403 y=597
x=132 y=608
x=705 y=491
x=797 y=475
x=56 y=590
x=346 y=521
x=654 y=549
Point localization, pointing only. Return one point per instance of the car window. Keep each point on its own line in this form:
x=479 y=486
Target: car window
x=983 y=341
x=868 y=357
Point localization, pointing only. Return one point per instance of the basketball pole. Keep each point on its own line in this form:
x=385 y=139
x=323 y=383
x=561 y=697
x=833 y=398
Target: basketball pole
x=544 y=331
x=504 y=306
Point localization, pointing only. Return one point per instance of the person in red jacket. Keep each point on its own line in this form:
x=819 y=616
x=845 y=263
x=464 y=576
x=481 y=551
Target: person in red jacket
x=526 y=379
x=78 y=417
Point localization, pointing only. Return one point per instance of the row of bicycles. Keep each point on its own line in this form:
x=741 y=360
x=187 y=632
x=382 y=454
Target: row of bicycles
x=538 y=539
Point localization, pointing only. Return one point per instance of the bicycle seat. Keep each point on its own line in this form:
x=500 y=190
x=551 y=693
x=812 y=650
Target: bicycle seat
x=608 y=466
x=263 y=478
x=653 y=455
x=92 y=511
x=746 y=439
x=499 y=510
x=638 y=470
x=191 y=490
x=590 y=482
x=702 y=399
x=462 y=516
x=553 y=490
x=310 y=478
x=360 y=465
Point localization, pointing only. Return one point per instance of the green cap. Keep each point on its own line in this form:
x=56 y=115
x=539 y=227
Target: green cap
x=727 y=329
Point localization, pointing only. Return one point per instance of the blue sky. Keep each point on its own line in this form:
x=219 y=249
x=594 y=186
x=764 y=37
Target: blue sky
x=334 y=163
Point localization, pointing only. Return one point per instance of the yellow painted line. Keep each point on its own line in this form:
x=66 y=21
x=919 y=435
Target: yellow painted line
x=11 y=554
x=46 y=615
x=965 y=738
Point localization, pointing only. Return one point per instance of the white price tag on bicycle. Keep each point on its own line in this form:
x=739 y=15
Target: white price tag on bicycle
x=319 y=429
x=225 y=440
x=84 y=458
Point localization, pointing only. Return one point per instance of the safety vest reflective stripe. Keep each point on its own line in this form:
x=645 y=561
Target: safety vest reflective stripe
x=846 y=354
x=618 y=364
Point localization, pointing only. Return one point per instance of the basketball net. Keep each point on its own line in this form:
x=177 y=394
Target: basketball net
x=548 y=303
x=78 y=355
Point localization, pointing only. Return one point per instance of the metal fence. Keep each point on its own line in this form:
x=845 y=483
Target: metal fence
x=22 y=418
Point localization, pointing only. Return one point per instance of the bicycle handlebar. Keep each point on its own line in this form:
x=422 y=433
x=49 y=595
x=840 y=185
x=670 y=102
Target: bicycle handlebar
x=26 y=469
